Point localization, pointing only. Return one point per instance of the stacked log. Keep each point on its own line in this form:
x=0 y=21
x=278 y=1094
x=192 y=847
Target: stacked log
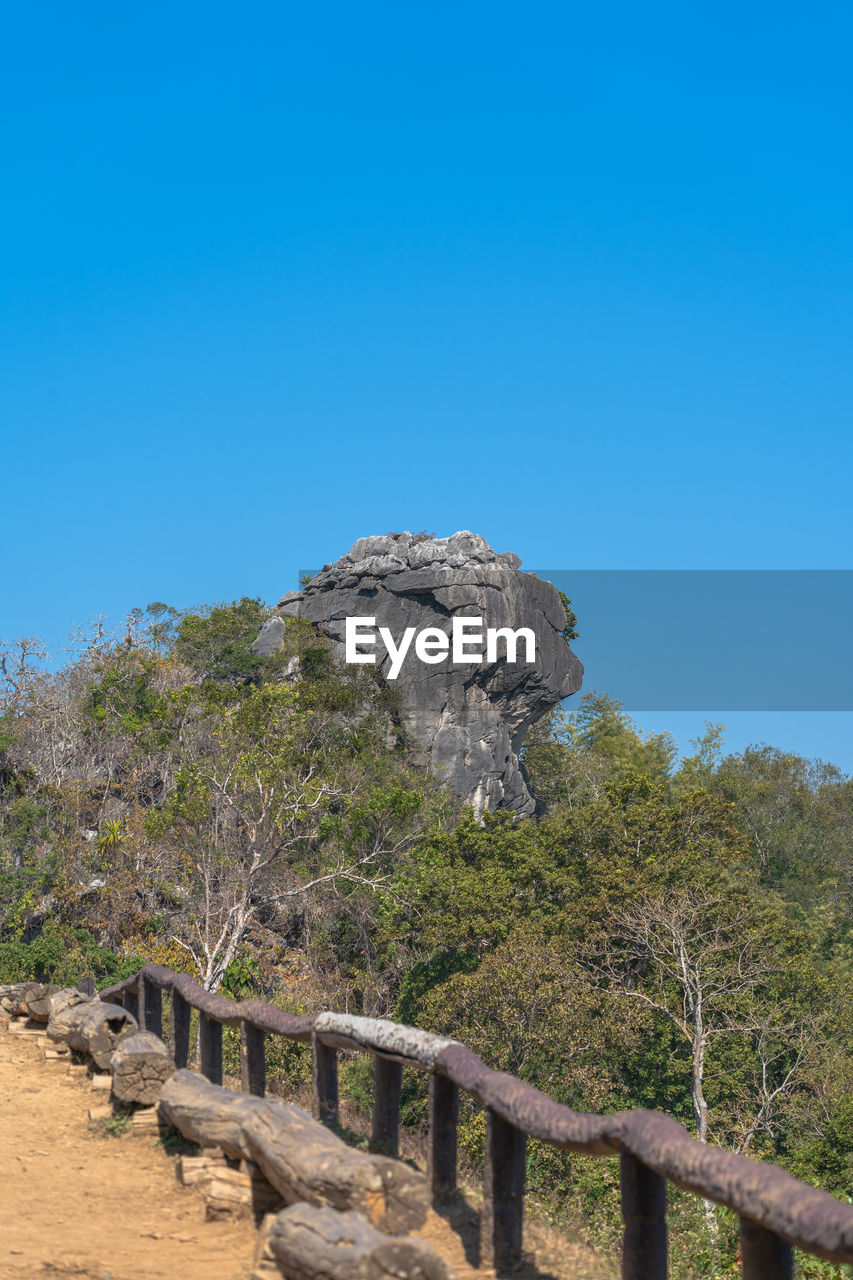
x=194 y=1171
x=38 y=1000
x=230 y=1187
x=32 y=992
x=140 y=1067
x=18 y=998
x=92 y=1028
x=9 y=998
x=311 y=1243
x=145 y=1123
x=227 y=1188
x=301 y=1159
x=66 y=998
x=41 y=1008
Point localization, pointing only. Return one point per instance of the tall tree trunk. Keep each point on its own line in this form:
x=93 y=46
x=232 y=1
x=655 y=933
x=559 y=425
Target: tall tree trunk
x=700 y=1106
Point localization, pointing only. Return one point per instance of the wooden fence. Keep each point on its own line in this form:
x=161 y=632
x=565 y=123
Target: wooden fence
x=776 y=1211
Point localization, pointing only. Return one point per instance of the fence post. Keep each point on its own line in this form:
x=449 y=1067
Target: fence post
x=324 y=1081
x=253 y=1063
x=86 y=986
x=210 y=1041
x=644 y=1243
x=150 y=1008
x=387 y=1083
x=131 y=1002
x=179 y=1030
x=503 y=1193
x=443 y=1124
x=764 y=1255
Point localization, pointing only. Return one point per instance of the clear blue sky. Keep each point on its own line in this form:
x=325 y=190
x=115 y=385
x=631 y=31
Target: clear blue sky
x=576 y=277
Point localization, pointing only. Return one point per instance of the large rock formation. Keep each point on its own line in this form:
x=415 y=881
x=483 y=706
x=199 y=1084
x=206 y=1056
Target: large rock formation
x=470 y=720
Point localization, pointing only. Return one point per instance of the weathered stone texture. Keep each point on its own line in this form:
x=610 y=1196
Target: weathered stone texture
x=470 y=721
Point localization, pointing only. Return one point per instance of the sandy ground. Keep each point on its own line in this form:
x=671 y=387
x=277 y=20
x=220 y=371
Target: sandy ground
x=75 y=1201
x=78 y=1202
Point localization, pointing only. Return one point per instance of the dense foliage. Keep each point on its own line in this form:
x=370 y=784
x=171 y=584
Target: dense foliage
x=669 y=935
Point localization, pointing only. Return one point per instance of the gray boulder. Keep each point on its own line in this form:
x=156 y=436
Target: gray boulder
x=468 y=720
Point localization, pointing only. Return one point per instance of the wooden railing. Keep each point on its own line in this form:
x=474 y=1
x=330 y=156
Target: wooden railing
x=776 y=1211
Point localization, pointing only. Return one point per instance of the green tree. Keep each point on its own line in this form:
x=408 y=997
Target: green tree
x=216 y=643
x=570 y=756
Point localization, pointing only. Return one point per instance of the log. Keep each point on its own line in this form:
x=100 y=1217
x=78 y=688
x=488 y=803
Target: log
x=7 y=991
x=140 y=1067
x=9 y=996
x=33 y=994
x=228 y=1187
x=227 y=1190
x=298 y=1156
x=19 y=997
x=393 y=1040
x=66 y=998
x=195 y=1170
x=227 y=1196
x=145 y=1123
x=323 y=1244
x=42 y=1007
x=92 y=1028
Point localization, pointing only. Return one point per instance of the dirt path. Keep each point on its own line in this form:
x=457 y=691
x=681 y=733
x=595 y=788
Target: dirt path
x=77 y=1202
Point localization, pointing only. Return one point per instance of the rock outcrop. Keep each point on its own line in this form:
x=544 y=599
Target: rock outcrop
x=469 y=720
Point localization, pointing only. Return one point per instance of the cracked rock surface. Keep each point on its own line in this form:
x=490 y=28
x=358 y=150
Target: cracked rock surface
x=468 y=720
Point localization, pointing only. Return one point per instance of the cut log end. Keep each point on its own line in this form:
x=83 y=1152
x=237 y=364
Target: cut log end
x=140 y=1067
x=93 y=1028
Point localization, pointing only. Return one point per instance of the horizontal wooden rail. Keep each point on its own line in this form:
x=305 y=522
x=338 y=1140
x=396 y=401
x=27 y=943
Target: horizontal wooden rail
x=776 y=1210
x=230 y=1013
